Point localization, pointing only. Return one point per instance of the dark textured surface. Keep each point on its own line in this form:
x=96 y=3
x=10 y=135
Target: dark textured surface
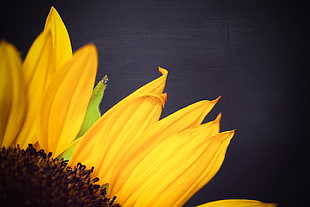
x=252 y=53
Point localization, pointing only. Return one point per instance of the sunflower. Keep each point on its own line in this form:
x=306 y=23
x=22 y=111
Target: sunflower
x=48 y=104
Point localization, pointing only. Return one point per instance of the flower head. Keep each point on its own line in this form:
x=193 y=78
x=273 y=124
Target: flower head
x=146 y=161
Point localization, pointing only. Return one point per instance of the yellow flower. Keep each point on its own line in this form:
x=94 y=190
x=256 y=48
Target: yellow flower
x=146 y=161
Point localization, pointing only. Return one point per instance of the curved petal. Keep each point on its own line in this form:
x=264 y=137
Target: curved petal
x=237 y=203
x=39 y=60
x=109 y=140
x=188 y=117
x=101 y=131
x=12 y=95
x=172 y=171
x=38 y=69
x=155 y=86
x=48 y=60
x=50 y=50
x=66 y=100
x=60 y=38
x=158 y=132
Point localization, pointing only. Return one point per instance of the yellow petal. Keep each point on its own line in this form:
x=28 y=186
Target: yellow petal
x=111 y=137
x=98 y=133
x=38 y=70
x=237 y=203
x=50 y=50
x=173 y=170
x=60 y=38
x=210 y=129
x=39 y=58
x=186 y=118
x=12 y=95
x=190 y=116
x=54 y=43
x=155 y=86
x=66 y=100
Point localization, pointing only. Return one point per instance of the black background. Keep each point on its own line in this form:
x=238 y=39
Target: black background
x=252 y=53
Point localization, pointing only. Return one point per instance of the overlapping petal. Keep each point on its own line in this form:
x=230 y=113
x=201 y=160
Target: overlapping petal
x=124 y=145
x=66 y=101
x=12 y=94
x=110 y=139
x=237 y=203
x=172 y=171
x=56 y=38
x=186 y=118
x=36 y=79
x=148 y=162
x=50 y=50
x=60 y=38
x=190 y=116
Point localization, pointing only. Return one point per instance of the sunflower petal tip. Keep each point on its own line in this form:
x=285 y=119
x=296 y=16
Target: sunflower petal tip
x=229 y=134
x=90 y=48
x=163 y=71
x=217 y=99
x=219 y=117
x=53 y=12
x=232 y=132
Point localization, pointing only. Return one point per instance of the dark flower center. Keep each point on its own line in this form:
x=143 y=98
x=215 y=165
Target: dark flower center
x=32 y=178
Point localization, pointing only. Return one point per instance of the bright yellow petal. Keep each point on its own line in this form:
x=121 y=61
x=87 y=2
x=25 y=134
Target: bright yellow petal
x=50 y=50
x=12 y=95
x=66 y=100
x=155 y=86
x=54 y=43
x=190 y=116
x=39 y=59
x=60 y=38
x=187 y=118
x=174 y=170
x=237 y=203
x=148 y=95
x=111 y=137
x=38 y=70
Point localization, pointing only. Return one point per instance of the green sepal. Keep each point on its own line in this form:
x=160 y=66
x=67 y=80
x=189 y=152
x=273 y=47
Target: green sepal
x=93 y=112
x=92 y=115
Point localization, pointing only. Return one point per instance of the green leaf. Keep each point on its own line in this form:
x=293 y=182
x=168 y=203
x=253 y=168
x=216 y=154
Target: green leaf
x=93 y=112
